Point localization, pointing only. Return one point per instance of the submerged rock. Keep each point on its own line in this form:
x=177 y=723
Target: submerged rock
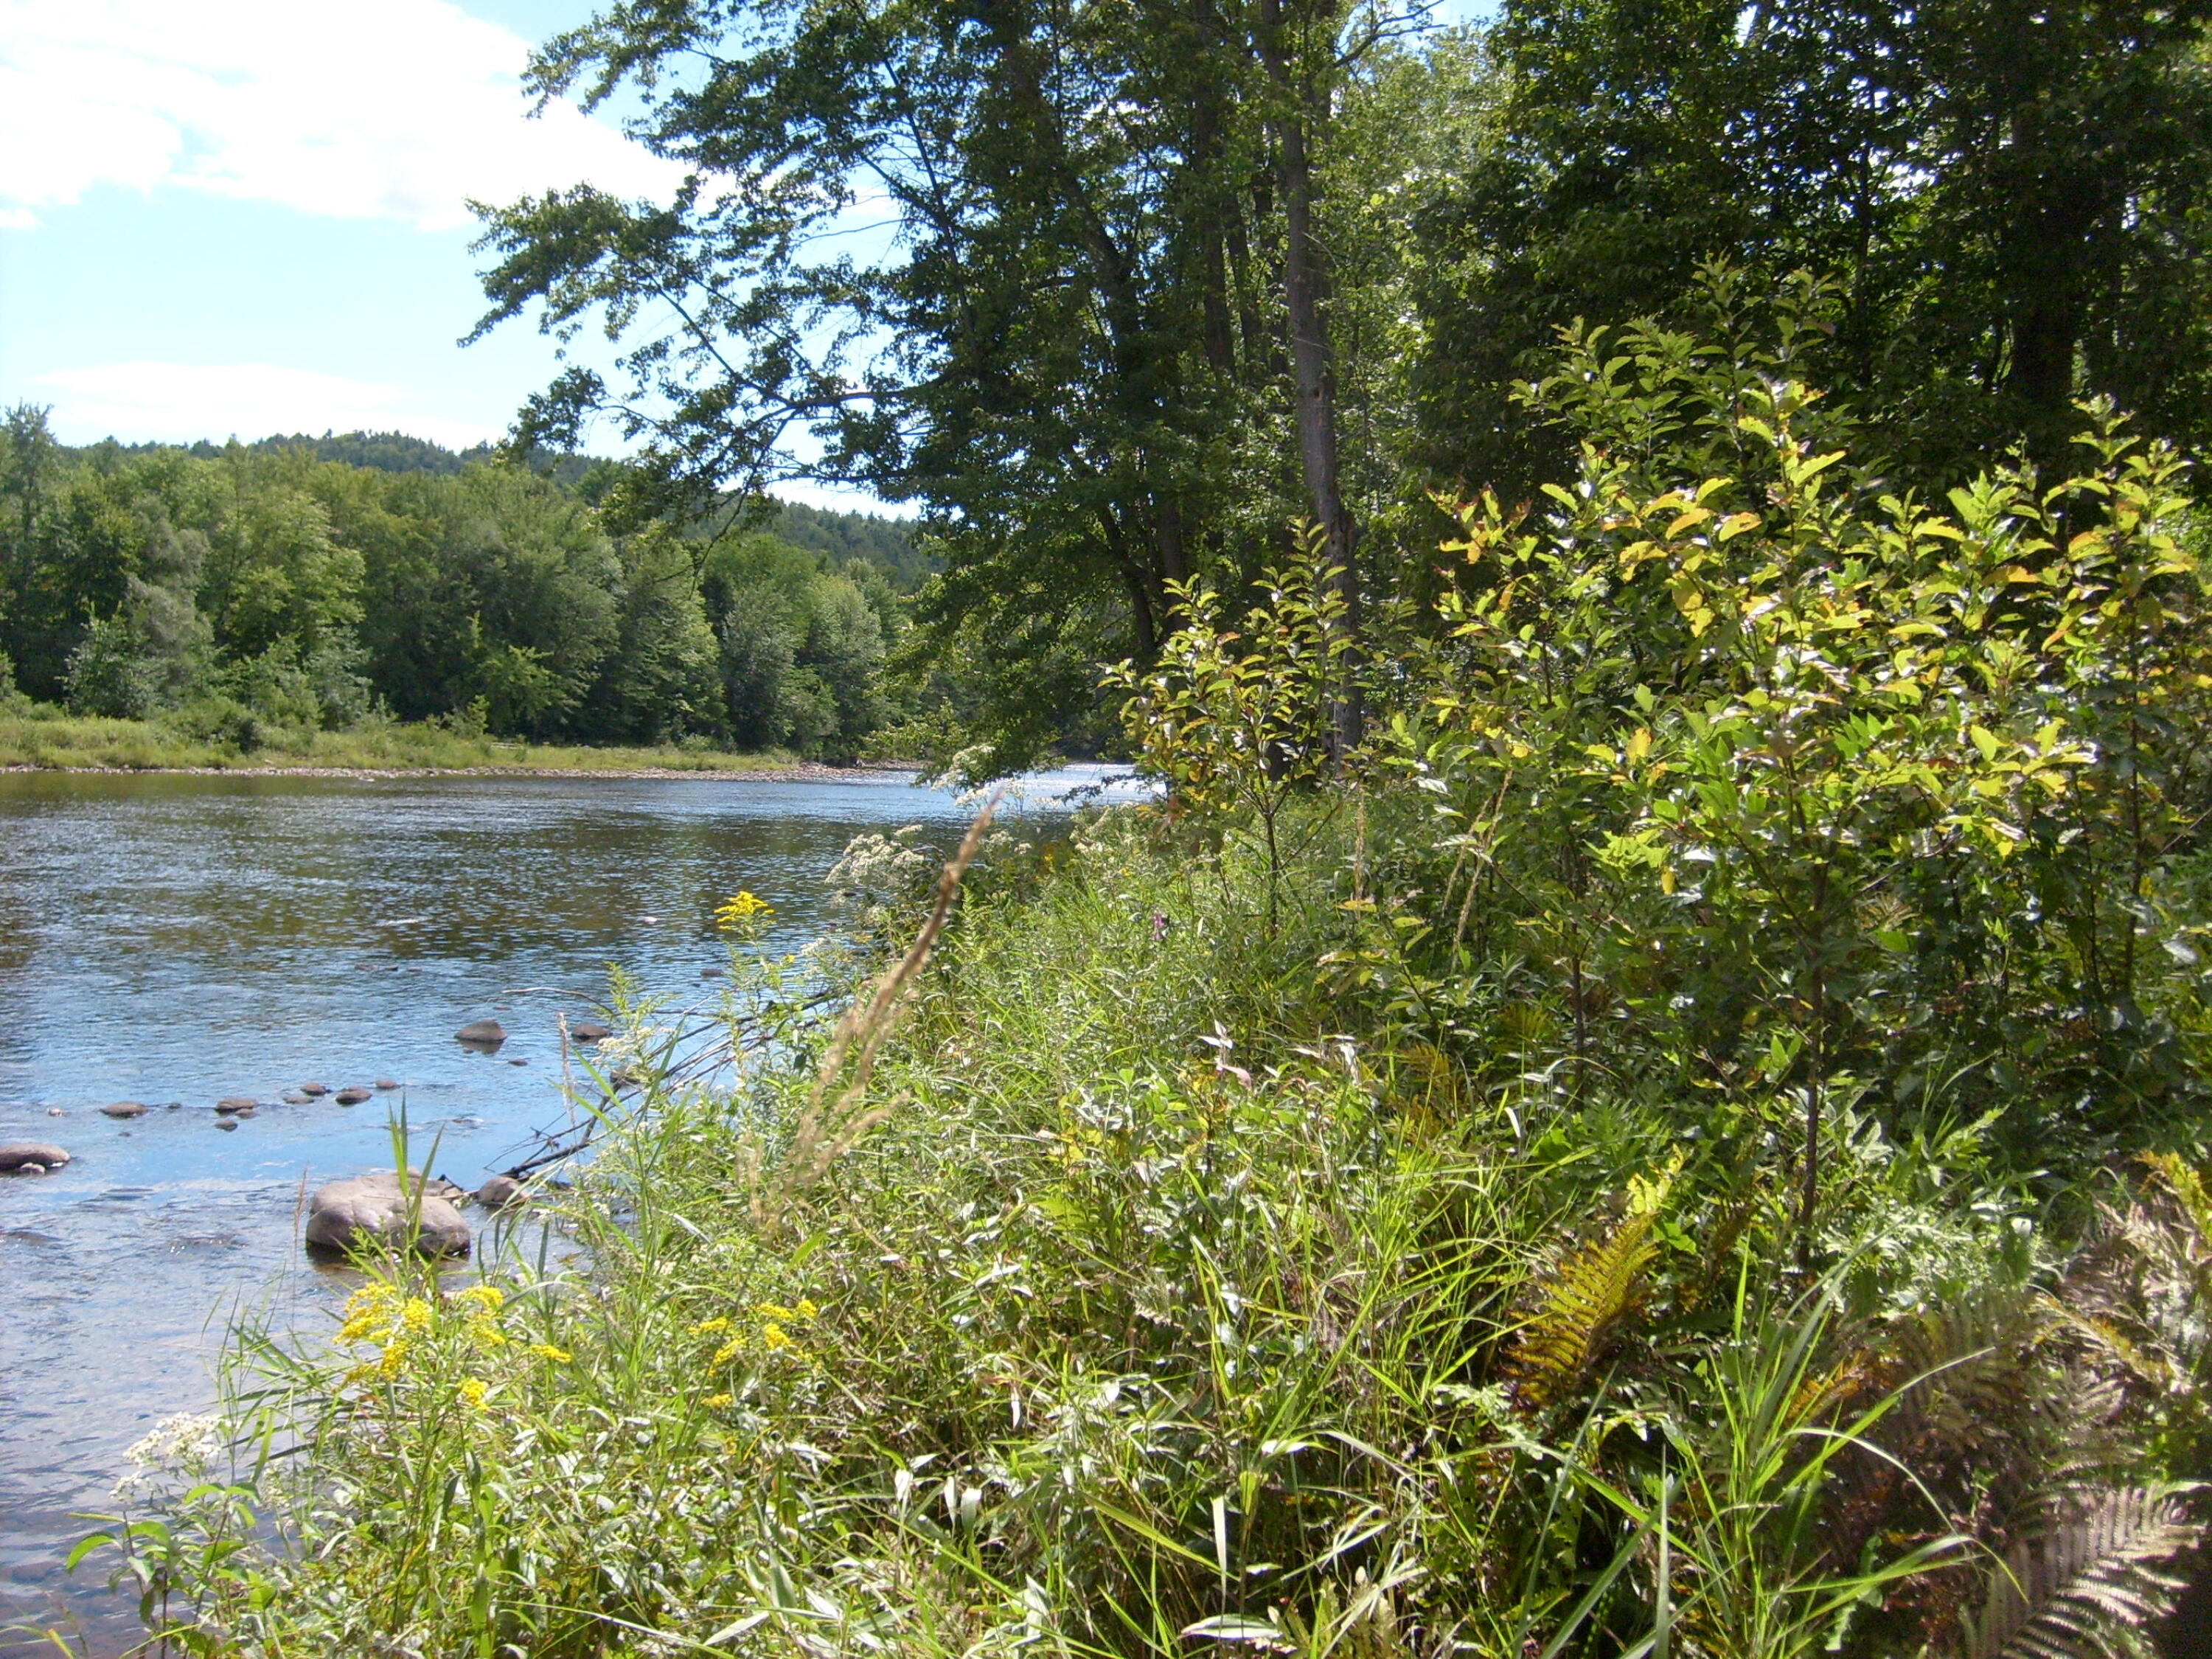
x=16 y=1157
x=376 y=1208
x=298 y=1097
x=481 y=1033
x=352 y=1096
x=226 y=1123
x=126 y=1109
x=591 y=1031
x=230 y=1104
x=314 y=1088
x=387 y=1083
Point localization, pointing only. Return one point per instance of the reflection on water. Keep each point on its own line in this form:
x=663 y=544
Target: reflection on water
x=174 y=940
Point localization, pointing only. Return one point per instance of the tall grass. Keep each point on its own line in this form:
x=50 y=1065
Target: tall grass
x=1168 y=1301
x=53 y=740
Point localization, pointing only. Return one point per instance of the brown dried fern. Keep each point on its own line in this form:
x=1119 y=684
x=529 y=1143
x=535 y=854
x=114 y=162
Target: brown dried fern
x=2071 y=1589
x=1582 y=1306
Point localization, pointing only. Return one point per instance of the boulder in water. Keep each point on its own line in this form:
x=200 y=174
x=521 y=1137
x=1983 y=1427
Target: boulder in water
x=31 y=1158
x=388 y=1084
x=482 y=1034
x=314 y=1088
x=126 y=1109
x=231 y=1104
x=226 y=1123
x=298 y=1097
x=352 y=1096
x=502 y=1192
x=376 y=1209
x=591 y=1031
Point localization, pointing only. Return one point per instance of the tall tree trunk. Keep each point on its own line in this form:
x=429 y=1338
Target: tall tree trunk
x=1305 y=297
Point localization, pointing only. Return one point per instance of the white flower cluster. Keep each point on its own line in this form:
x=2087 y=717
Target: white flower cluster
x=185 y=1444
x=878 y=875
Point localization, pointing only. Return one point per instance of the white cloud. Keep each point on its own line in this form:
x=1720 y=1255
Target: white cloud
x=178 y=403
x=400 y=109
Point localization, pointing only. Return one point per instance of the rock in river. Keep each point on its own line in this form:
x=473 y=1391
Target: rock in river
x=126 y=1109
x=231 y=1104
x=352 y=1096
x=502 y=1192
x=314 y=1088
x=590 y=1032
x=375 y=1208
x=30 y=1156
x=226 y=1123
x=388 y=1084
x=481 y=1033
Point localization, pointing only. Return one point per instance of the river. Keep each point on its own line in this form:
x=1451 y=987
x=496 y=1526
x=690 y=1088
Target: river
x=173 y=941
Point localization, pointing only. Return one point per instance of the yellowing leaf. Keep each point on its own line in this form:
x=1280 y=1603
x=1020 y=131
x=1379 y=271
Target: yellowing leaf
x=1737 y=523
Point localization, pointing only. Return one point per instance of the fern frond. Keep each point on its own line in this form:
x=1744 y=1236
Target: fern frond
x=1587 y=1296
x=2187 y=1186
x=2071 y=1590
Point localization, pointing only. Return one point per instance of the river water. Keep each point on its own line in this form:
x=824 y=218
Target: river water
x=174 y=940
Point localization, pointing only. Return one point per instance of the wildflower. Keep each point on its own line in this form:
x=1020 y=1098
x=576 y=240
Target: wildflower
x=368 y=1313
x=472 y=1391
x=415 y=1314
x=394 y=1360
x=715 y=1402
x=727 y=1352
x=774 y=1336
x=547 y=1351
x=807 y=1310
x=743 y=912
x=769 y=1310
x=486 y=1296
x=709 y=1327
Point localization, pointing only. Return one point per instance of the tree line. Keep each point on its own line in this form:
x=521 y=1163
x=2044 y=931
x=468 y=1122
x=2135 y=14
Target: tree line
x=1139 y=283
x=318 y=583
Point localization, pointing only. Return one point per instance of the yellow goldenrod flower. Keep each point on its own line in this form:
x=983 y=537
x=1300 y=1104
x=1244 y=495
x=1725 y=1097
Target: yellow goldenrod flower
x=742 y=912
x=727 y=1352
x=472 y=1391
x=769 y=1310
x=708 y=1327
x=394 y=1360
x=715 y=1402
x=486 y=1296
x=547 y=1351
x=415 y=1314
x=774 y=1336
x=807 y=1310
x=487 y=1334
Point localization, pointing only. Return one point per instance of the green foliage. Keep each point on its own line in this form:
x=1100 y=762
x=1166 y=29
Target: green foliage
x=1237 y=720
x=1783 y=773
x=247 y=593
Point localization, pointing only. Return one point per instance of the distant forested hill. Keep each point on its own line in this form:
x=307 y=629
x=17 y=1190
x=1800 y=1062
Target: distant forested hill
x=887 y=544
x=303 y=583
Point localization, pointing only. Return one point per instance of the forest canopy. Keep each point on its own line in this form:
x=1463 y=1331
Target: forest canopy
x=321 y=582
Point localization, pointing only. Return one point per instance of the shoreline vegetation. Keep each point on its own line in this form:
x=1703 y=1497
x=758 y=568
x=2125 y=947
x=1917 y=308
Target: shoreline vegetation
x=65 y=743
x=1689 y=1141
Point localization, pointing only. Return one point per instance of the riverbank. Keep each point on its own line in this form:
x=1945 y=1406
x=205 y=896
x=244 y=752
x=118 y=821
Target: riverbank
x=1182 y=1268
x=43 y=742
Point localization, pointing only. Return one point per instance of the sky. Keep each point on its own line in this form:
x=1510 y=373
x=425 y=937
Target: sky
x=241 y=217
x=225 y=218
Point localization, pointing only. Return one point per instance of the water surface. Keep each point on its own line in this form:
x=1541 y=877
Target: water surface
x=174 y=940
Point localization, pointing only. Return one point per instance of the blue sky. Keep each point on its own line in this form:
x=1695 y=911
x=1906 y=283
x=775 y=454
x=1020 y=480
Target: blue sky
x=246 y=216
x=239 y=217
